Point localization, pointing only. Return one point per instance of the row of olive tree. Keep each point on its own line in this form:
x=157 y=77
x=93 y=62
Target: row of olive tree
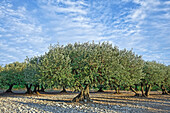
x=84 y=66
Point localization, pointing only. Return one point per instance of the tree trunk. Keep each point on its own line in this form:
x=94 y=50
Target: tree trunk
x=117 y=90
x=164 y=91
x=147 y=91
x=142 y=90
x=38 y=88
x=42 y=89
x=100 y=90
x=136 y=87
x=64 y=90
x=35 y=89
x=83 y=95
x=10 y=89
x=29 y=91
x=133 y=90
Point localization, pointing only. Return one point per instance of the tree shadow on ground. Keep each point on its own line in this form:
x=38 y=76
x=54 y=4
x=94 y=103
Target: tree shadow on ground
x=166 y=99
x=34 y=94
x=53 y=100
x=127 y=109
x=57 y=92
x=148 y=104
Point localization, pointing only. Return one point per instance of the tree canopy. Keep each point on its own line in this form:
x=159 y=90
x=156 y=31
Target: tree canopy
x=86 y=65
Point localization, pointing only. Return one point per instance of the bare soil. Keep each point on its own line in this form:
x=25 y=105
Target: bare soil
x=106 y=101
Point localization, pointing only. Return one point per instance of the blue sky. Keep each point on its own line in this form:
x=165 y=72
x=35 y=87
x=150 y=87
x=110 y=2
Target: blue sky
x=28 y=27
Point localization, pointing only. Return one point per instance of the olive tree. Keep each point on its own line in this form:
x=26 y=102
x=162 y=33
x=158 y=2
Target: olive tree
x=54 y=67
x=12 y=75
x=166 y=78
x=1 y=70
x=127 y=70
x=30 y=74
x=84 y=69
x=90 y=66
x=154 y=75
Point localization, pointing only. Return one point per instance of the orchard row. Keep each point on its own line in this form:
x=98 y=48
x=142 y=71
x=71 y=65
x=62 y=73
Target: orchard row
x=87 y=65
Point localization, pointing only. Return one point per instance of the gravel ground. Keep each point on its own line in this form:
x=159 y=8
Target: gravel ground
x=102 y=103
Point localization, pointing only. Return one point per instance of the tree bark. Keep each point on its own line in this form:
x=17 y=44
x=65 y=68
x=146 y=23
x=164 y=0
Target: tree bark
x=64 y=90
x=133 y=90
x=35 y=89
x=10 y=89
x=147 y=91
x=164 y=91
x=83 y=95
x=38 y=88
x=42 y=89
x=29 y=91
x=142 y=90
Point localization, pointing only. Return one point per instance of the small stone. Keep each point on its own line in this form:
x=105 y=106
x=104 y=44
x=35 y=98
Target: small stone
x=85 y=100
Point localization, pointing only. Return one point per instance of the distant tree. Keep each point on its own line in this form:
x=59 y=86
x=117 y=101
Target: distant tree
x=154 y=75
x=104 y=57
x=127 y=70
x=1 y=70
x=12 y=75
x=30 y=74
x=166 y=79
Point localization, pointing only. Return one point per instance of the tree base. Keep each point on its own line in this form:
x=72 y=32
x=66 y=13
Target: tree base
x=165 y=93
x=29 y=92
x=41 y=91
x=144 y=96
x=83 y=96
x=8 y=91
x=63 y=91
x=100 y=90
x=136 y=95
x=116 y=93
x=36 y=92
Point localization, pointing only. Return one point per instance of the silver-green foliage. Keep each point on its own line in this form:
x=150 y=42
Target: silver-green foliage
x=12 y=74
x=155 y=73
x=54 y=67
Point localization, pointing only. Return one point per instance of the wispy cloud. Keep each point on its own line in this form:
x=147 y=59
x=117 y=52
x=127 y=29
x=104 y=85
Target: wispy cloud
x=26 y=29
x=71 y=22
x=19 y=31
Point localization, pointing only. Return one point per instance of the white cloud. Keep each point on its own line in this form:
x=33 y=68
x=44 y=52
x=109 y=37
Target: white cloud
x=167 y=2
x=20 y=31
x=78 y=21
x=74 y=22
x=138 y=15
